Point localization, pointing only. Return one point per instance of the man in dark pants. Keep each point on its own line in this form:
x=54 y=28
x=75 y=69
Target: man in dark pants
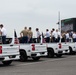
x=24 y=35
x=3 y=33
x=47 y=36
x=30 y=35
x=38 y=35
x=53 y=35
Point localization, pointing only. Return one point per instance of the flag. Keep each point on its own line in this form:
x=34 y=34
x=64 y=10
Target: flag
x=42 y=35
x=16 y=40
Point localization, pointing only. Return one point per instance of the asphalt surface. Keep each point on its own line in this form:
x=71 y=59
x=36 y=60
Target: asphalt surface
x=45 y=66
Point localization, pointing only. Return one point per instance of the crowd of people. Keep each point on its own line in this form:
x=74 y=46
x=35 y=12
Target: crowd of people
x=26 y=35
x=52 y=36
x=69 y=36
x=49 y=36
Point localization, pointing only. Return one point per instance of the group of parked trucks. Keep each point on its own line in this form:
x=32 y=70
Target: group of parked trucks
x=18 y=51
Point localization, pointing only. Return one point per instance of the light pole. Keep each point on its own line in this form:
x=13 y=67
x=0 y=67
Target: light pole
x=59 y=25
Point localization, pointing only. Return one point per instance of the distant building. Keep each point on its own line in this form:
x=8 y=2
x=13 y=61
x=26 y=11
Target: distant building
x=68 y=25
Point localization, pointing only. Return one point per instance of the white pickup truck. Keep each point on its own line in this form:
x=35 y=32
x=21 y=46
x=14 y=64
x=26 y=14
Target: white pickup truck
x=57 y=49
x=33 y=50
x=72 y=47
x=9 y=52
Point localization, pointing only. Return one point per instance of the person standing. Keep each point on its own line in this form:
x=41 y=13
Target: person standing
x=57 y=36
x=53 y=35
x=74 y=36
x=38 y=35
x=24 y=35
x=47 y=36
x=63 y=37
x=3 y=33
x=30 y=35
x=67 y=36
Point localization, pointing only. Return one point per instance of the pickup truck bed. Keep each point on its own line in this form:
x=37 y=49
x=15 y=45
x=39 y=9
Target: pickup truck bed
x=9 y=51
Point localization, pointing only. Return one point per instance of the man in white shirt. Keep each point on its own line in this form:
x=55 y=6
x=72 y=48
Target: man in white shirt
x=67 y=37
x=47 y=36
x=3 y=34
x=38 y=35
x=57 y=36
x=74 y=36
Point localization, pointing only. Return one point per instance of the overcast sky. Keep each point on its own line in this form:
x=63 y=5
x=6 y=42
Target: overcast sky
x=16 y=14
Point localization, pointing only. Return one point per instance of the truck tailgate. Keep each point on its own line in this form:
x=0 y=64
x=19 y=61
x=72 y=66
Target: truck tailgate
x=8 y=49
x=40 y=48
x=65 y=46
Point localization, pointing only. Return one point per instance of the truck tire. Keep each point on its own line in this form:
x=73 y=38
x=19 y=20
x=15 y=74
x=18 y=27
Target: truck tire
x=23 y=56
x=7 y=62
x=58 y=55
x=35 y=58
x=71 y=51
x=50 y=52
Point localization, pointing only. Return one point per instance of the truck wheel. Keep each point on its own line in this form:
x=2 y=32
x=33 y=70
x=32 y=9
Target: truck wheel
x=50 y=52
x=71 y=51
x=58 y=55
x=23 y=56
x=36 y=58
x=7 y=62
